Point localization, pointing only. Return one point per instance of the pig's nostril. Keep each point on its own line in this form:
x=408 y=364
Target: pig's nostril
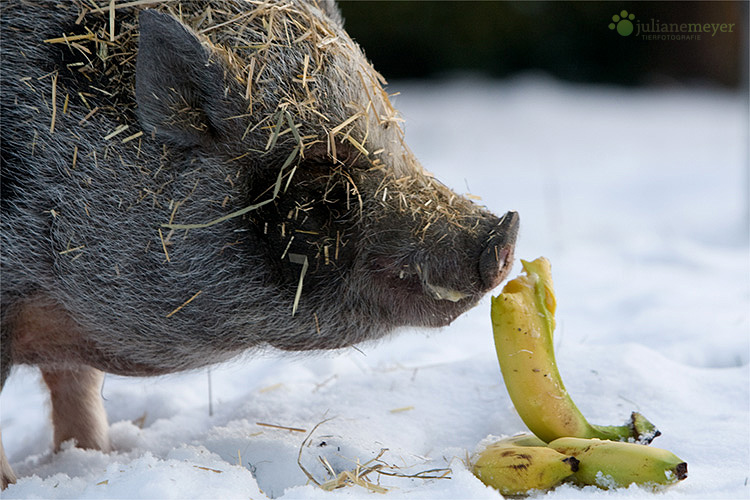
x=497 y=257
x=494 y=265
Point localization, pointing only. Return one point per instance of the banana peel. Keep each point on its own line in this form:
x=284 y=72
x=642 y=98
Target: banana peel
x=513 y=467
x=520 y=464
x=614 y=464
x=523 y=322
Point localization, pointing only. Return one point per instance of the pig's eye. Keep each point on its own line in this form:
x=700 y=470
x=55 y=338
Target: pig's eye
x=319 y=185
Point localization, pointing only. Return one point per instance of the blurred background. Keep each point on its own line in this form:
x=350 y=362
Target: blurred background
x=568 y=40
x=571 y=43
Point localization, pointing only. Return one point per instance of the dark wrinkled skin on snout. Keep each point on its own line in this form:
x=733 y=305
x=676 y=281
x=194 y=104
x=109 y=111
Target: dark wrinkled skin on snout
x=124 y=167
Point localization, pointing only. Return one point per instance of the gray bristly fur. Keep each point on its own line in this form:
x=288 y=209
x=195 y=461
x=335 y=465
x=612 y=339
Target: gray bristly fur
x=233 y=98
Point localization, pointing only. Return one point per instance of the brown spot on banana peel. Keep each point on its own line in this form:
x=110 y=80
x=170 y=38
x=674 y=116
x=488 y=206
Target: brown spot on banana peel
x=519 y=466
x=681 y=471
x=575 y=463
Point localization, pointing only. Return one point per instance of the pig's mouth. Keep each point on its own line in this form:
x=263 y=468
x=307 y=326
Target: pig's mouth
x=408 y=300
x=442 y=293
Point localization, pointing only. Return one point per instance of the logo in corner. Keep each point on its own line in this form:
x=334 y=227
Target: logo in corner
x=623 y=23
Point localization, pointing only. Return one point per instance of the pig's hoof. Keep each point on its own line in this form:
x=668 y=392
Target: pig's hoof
x=7 y=476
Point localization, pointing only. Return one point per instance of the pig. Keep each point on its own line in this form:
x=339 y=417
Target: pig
x=184 y=182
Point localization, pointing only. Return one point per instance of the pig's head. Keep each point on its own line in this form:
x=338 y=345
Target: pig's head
x=355 y=233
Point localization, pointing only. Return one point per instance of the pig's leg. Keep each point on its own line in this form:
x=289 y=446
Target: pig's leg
x=77 y=408
x=44 y=334
x=6 y=473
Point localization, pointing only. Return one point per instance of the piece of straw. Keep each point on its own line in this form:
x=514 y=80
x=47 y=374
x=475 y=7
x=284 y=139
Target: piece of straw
x=188 y=301
x=298 y=259
x=54 y=103
x=282 y=427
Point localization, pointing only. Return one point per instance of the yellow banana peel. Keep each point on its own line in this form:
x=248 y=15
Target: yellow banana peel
x=523 y=322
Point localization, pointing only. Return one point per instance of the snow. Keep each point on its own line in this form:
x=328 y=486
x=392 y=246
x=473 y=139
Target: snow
x=638 y=197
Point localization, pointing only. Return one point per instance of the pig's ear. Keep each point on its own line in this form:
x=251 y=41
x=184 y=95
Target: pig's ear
x=178 y=83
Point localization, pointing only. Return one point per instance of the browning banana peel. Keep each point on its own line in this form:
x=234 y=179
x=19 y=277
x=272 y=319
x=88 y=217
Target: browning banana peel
x=519 y=464
x=515 y=469
x=611 y=464
x=523 y=321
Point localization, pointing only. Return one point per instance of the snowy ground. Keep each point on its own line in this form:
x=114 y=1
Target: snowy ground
x=638 y=198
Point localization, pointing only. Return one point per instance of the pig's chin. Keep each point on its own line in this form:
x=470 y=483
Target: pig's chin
x=428 y=312
x=441 y=314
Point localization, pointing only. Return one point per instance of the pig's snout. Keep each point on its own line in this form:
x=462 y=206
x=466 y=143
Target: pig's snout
x=492 y=264
x=496 y=259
